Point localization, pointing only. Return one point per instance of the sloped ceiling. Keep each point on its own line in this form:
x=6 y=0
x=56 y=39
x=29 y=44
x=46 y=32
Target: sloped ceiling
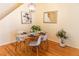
x=6 y=8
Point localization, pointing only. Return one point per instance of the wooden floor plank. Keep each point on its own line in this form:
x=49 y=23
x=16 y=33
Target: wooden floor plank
x=53 y=50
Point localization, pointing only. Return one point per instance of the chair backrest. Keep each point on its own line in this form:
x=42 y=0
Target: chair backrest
x=39 y=40
x=17 y=39
x=44 y=37
x=21 y=35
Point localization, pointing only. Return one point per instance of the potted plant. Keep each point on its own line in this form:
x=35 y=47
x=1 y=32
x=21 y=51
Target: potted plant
x=35 y=28
x=62 y=35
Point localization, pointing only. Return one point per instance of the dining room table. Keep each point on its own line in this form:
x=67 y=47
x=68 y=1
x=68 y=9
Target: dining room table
x=24 y=39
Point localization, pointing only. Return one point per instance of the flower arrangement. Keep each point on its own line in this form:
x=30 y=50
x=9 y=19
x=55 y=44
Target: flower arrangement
x=35 y=28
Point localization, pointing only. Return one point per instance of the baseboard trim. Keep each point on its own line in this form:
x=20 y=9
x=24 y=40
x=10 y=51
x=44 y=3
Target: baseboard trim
x=7 y=43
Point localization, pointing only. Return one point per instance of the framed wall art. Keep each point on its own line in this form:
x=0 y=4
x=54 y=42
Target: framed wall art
x=50 y=17
x=26 y=17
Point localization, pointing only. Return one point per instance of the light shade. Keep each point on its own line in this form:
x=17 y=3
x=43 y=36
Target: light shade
x=31 y=7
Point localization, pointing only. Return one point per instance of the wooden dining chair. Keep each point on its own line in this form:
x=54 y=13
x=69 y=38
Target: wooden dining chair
x=45 y=42
x=36 y=44
x=20 y=40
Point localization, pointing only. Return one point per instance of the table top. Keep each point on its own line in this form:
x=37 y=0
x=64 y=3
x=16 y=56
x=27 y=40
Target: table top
x=29 y=35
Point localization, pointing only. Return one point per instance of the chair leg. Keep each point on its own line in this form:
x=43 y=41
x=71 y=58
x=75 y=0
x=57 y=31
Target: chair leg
x=30 y=52
x=16 y=46
x=24 y=50
x=37 y=50
x=26 y=47
x=47 y=45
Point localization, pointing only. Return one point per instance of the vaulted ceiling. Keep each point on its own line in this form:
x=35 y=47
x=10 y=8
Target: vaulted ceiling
x=6 y=8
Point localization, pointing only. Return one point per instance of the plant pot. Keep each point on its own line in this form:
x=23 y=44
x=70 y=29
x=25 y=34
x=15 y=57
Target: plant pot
x=62 y=42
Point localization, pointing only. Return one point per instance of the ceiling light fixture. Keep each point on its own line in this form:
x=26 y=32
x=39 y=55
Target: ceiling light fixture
x=31 y=7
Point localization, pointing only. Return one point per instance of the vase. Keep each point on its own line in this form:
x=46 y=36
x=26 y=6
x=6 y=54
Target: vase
x=62 y=42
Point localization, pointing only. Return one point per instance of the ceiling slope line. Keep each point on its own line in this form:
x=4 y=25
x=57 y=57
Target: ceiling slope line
x=9 y=10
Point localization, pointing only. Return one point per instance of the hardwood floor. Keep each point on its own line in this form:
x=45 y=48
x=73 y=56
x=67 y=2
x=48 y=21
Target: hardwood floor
x=53 y=50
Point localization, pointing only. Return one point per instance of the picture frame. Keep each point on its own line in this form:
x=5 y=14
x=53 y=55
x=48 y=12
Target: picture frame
x=26 y=17
x=50 y=17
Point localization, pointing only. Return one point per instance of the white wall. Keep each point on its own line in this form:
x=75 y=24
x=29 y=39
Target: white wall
x=11 y=24
x=68 y=19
